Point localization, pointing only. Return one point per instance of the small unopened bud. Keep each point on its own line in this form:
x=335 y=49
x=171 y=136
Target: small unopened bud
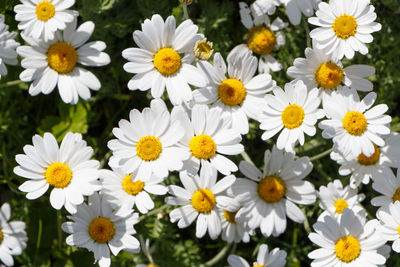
x=203 y=49
x=187 y=2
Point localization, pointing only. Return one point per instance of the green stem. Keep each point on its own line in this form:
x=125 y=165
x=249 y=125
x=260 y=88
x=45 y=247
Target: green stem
x=153 y=212
x=185 y=11
x=10 y=83
x=307 y=28
x=247 y=158
x=59 y=231
x=219 y=256
x=321 y=155
x=38 y=239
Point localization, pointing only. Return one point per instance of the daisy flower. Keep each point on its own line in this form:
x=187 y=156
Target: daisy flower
x=163 y=59
x=147 y=142
x=294 y=110
x=362 y=168
x=96 y=227
x=389 y=216
x=350 y=241
x=294 y=8
x=7 y=47
x=325 y=72
x=203 y=49
x=55 y=63
x=261 y=7
x=121 y=189
x=68 y=169
x=268 y=197
x=354 y=126
x=241 y=94
x=275 y=258
x=12 y=236
x=344 y=27
x=40 y=19
x=389 y=186
x=334 y=199
x=202 y=198
x=208 y=137
x=262 y=38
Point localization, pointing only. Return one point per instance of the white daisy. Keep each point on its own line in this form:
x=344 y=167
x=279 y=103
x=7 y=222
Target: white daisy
x=261 y=7
x=148 y=142
x=325 y=72
x=129 y=190
x=362 y=168
x=344 y=27
x=163 y=59
x=40 y=19
x=12 y=236
x=262 y=38
x=268 y=197
x=388 y=185
x=294 y=8
x=275 y=258
x=294 y=110
x=7 y=47
x=67 y=168
x=55 y=63
x=202 y=198
x=389 y=216
x=203 y=49
x=334 y=199
x=354 y=127
x=351 y=241
x=208 y=137
x=96 y=227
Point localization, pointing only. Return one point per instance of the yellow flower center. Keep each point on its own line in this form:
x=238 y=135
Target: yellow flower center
x=292 y=116
x=202 y=146
x=152 y=265
x=396 y=195
x=203 y=200
x=203 y=49
x=347 y=249
x=230 y=216
x=355 y=123
x=167 y=61
x=58 y=175
x=345 y=26
x=62 y=57
x=232 y=92
x=101 y=230
x=131 y=187
x=261 y=40
x=258 y=265
x=148 y=148
x=340 y=205
x=329 y=75
x=398 y=231
x=271 y=189
x=1 y=236
x=372 y=160
x=45 y=11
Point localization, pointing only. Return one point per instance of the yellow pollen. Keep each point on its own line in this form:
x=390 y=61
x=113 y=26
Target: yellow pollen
x=167 y=61
x=340 y=205
x=203 y=49
x=203 y=200
x=101 y=230
x=131 y=187
x=1 y=236
x=396 y=195
x=355 y=123
x=148 y=148
x=345 y=26
x=58 y=175
x=261 y=40
x=292 y=116
x=347 y=249
x=372 y=160
x=271 y=189
x=329 y=75
x=45 y=10
x=232 y=92
x=62 y=57
x=202 y=146
x=230 y=216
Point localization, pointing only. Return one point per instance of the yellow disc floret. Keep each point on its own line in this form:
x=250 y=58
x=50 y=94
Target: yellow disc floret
x=261 y=40
x=398 y=230
x=347 y=249
x=232 y=92
x=345 y=26
x=355 y=123
x=58 y=175
x=1 y=236
x=203 y=200
x=258 y=265
x=230 y=216
x=62 y=57
x=167 y=61
x=396 y=195
x=271 y=189
x=131 y=187
x=148 y=148
x=372 y=160
x=329 y=75
x=292 y=116
x=45 y=10
x=340 y=205
x=101 y=230
x=202 y=146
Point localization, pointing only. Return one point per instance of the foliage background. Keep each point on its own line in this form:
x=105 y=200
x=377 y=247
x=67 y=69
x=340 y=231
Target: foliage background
x=22 y=116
